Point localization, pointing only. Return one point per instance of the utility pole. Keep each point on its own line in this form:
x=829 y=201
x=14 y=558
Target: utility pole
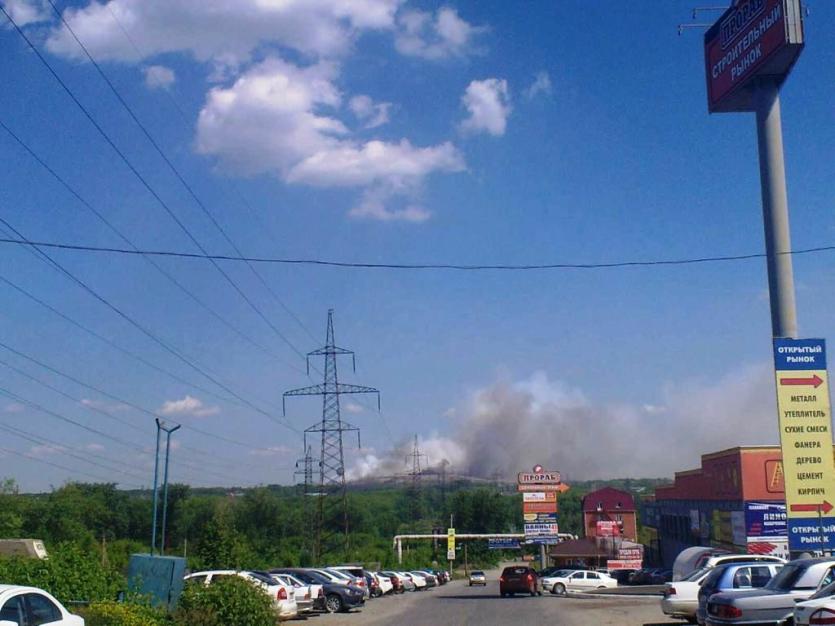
x=331 y=429
x=160 y=428
x=415 y=473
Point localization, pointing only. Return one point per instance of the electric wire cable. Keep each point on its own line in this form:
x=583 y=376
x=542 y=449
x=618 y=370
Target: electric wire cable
x=160 y=342
x=71 y=471
x=100 y=216
x=201 y=455
x=722 y=258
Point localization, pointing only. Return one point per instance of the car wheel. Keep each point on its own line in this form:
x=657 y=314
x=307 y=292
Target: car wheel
x=334 y=603
x=602 y=587
x=559 y=589
x=471 y=584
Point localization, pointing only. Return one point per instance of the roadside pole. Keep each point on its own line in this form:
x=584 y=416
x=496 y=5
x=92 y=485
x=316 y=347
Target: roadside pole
x=543 y=556
x=156 y=492
x=775 y=210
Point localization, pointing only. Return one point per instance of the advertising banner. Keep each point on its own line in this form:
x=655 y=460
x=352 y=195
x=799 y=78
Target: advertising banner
x=621 y=564
x=450 y=544
x=605 y=528
x=541 y=529
x=773 y=546
x=765 y=519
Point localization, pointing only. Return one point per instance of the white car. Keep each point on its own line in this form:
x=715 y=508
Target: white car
x=305 y=594
x=419 y=581
x=283 y=596
x=681 y=598
x=384 y=582
x=18 y=603
x=577 y=580
x=818 y=609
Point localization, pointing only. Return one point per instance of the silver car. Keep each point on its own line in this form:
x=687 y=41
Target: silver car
x=774 y=604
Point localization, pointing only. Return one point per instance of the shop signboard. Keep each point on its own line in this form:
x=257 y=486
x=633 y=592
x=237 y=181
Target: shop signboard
x=613 y=564
x=772 y=546
x=450 y=544
x=806 y=442
x=606 y=528
x=753 y=38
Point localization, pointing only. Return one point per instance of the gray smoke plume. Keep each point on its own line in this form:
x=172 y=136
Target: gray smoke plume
x=508 y=427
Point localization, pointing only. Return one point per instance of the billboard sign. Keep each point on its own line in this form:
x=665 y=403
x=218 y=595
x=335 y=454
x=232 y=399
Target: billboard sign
x=806 y=442
x=536 y=529
x=772 y=546
x=536 y=488
x=539 y=477
x=613 y=564
x=539 y=496
x=539 y=507
x=606 y=528
x=765 y=519
x=503 y=543
x=753 y=38
x=450 y=544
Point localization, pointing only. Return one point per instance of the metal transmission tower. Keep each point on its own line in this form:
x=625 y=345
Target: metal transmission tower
x=415 y=495
x=331 y=518
x=304 y=468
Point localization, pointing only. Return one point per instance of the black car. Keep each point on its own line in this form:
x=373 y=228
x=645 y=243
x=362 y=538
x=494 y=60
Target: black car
x=338 y=598
x=622 y=575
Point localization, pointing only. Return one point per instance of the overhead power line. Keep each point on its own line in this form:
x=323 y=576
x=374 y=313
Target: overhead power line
x=724 y=258
x=31 y=457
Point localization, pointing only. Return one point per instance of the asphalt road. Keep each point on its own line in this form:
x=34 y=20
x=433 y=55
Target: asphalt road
x=457 y=603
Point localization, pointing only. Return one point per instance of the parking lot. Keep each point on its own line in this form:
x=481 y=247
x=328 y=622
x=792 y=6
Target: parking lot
x=457 y=603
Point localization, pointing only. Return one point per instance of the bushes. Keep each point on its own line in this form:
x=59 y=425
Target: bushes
x=228 y=600
x=117 y=614
x=69 y=574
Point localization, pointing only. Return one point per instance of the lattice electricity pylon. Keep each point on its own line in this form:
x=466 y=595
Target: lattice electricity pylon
x=331 y=429
x=304 y=468
x=416 y=473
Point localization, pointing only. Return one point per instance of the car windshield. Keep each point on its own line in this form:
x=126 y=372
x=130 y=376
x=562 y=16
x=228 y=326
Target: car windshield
x=264 y=578
x=786 y=578
x=478 y=573
x=559 y=573
x=696 y=575
x=824 y=592
x=712 y=579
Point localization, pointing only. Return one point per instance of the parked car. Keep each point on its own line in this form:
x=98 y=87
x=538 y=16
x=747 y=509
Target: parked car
x=401 y=583
x=519 y=579
x=30 y=605
x=384 y=582
x=338 y=597
x=347 y=573
x=442 y=575
x=621 y=575
x=644 y=576
x=818 y=609
x=700 y=557
x=661 y=576
x=577 y=580
x=283 y=596
x=774 y=604
x=306 y=594
x=477 y=577
x=731 y=576
x=418 y=581
x=430 y=579
x=681 y=598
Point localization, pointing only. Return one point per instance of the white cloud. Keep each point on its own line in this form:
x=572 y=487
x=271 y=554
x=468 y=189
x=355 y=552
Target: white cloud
x=25 y=12
x=94 y=447
x=540 y=86
x=158 y=77
x=446 y=35
x=220 y=29
x=14 y=407
x=104 y=406
x=45 y=450
x=281 y=118
x=188 y=405
x=488 y=104
x=373 y=114
x=271 y=451
x=353 y=407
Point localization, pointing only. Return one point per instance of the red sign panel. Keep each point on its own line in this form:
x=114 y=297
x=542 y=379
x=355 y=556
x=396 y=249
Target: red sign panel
x=613 y=564
x=753 y=38
x=607 y=529
x=539 y=507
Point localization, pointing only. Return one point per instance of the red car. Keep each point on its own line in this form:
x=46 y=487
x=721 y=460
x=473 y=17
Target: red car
x=519 y=579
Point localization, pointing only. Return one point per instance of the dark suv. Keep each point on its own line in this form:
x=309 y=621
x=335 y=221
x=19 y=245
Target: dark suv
x=519 y=579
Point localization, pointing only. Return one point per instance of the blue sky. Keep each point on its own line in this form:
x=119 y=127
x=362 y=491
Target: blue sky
x=389 y=131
